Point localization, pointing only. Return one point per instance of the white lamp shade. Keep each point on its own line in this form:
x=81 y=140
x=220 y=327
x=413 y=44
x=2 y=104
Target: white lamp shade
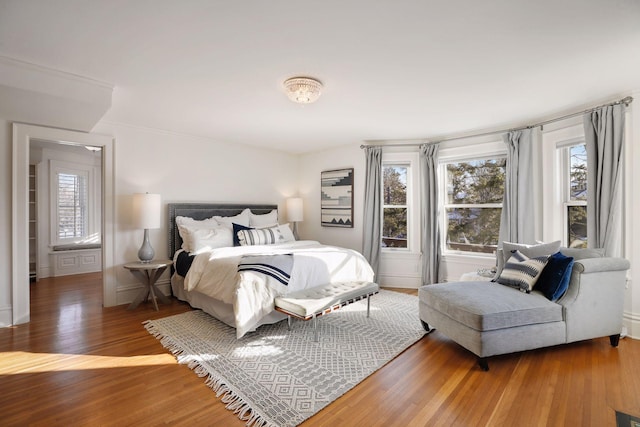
x=294 y=209
x=146 y=210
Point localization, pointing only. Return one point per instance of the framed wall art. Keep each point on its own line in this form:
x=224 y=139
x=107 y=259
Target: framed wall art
x=336 y=198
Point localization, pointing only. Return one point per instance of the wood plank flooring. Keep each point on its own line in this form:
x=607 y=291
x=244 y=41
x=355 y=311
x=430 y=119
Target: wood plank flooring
x=78 y=364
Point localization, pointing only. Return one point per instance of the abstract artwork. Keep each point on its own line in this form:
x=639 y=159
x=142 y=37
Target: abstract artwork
x=336 y=194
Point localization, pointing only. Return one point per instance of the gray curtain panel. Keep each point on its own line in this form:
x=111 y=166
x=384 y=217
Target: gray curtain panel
x=430 y=244
x=372 y=225
x=604 y=135
x=517 y=223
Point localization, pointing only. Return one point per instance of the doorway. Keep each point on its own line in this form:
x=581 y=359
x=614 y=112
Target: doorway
x=23 y=137
x=65 y=205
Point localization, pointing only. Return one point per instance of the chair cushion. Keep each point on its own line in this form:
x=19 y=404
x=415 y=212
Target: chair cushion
x=486 y=306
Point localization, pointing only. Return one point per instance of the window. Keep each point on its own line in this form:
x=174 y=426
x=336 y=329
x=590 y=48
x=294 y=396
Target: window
x=71 y=205
x=575 y=194
x=473 y=204
x=400 y=214
x=395 y=207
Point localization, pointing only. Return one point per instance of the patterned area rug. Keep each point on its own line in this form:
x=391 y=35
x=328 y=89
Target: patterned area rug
x=277 y=377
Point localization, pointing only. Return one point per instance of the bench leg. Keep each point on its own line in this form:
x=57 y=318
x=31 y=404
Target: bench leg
x=368 y=304
x=315 y=328
x=289 y=322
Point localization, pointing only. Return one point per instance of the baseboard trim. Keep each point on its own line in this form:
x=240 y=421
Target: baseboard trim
x=127 y=293
x=406 y=282
x=632 y=322
x=6 y=316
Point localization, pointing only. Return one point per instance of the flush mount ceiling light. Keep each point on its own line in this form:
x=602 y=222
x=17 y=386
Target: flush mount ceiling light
x=303 y=90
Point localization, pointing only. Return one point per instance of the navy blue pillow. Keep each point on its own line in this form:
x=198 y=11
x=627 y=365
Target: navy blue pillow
x=236 y=228
x=554 y=279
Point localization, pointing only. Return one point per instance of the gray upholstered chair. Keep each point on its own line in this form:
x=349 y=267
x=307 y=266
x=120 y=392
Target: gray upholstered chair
x=489 y=319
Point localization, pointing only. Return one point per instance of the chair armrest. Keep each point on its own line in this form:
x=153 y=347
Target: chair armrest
x=593 y=303
x=594 y=265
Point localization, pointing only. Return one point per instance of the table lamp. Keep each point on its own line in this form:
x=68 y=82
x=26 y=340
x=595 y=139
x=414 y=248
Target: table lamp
x=294 y=213
x=146 y=210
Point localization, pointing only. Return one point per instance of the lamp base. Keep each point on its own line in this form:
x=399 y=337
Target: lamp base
x=146 y=252
x=295 y=230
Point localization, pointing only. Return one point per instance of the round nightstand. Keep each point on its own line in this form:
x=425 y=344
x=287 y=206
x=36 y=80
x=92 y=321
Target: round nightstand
x=148 y=273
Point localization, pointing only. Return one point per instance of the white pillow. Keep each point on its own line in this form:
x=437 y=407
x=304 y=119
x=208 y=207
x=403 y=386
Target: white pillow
x=242 y=218
x=183 y=221
x=265 y=236
x=264 y=220
x=286 y=232
x=204 y=239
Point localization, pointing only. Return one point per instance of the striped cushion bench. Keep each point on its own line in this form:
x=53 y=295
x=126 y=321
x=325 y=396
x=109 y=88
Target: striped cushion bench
x=311 y=303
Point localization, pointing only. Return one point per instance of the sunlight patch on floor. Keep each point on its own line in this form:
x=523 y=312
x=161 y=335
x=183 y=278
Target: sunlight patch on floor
x=20 y=362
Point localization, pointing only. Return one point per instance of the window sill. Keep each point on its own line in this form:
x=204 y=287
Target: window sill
x=399 y=254
x=469 y=256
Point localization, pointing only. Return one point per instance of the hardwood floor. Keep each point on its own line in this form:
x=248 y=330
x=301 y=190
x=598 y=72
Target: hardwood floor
x=77 y=363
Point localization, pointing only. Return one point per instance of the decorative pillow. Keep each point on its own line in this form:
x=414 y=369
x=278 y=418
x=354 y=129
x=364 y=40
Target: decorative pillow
x=286 y=232
x=236 y=229
x=521 y=272
x=265 y=220
x=206 y=239
x=242 y=218
x=261 y=236
x=554 y=280
x=531 y=251
x=185 y=233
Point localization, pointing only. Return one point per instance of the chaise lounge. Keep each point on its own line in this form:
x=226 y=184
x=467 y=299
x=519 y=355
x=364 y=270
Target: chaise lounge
x=489 y=318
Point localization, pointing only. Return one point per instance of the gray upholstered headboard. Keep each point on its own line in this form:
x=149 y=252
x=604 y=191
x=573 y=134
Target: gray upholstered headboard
x=202 y=211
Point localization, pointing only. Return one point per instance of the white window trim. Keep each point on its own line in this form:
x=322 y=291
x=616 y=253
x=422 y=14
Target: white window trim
x=410 y=159
x=554 y=179
x=55 y=167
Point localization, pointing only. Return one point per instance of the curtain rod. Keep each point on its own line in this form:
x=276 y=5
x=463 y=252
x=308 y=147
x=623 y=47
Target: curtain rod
x=626 y=101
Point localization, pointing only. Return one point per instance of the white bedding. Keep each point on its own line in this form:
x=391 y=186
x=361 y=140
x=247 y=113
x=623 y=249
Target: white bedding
x=215 y=274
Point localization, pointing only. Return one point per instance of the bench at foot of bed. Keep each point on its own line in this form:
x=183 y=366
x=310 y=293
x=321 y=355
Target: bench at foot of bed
x=307 y=304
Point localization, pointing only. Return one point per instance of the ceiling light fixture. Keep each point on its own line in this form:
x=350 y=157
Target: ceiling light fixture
x=303 y=90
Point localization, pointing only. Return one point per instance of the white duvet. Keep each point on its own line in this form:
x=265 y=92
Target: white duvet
x=215 y=273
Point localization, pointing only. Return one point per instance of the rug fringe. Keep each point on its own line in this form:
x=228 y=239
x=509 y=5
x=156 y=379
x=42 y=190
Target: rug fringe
x=233 y=401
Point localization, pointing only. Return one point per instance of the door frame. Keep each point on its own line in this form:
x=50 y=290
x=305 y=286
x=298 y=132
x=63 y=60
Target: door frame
x=22 y=136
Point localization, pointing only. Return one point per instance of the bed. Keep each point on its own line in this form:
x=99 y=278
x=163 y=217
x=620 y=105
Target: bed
x=237 y=282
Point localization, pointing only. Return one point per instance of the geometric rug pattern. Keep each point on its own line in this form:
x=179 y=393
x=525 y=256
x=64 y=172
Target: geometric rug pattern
x=276 y=377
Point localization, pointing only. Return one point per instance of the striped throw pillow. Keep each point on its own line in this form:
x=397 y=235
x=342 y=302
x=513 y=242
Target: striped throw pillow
x=522 y=272
x=260 y=236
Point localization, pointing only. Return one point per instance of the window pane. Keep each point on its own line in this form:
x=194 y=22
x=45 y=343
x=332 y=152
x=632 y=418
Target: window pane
x=394 y=228
x=476 y=181
x=395 y=185
x=473 y=229
x=577 y=226
x=72 y=205
x=578 y=172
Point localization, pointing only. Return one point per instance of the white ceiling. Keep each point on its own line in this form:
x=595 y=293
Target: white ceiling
x=392 y=69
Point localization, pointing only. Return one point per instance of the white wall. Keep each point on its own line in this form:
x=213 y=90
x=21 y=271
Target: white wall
x=184 y=168
x=5 y=222
x=632 y=207
x=310 y=166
